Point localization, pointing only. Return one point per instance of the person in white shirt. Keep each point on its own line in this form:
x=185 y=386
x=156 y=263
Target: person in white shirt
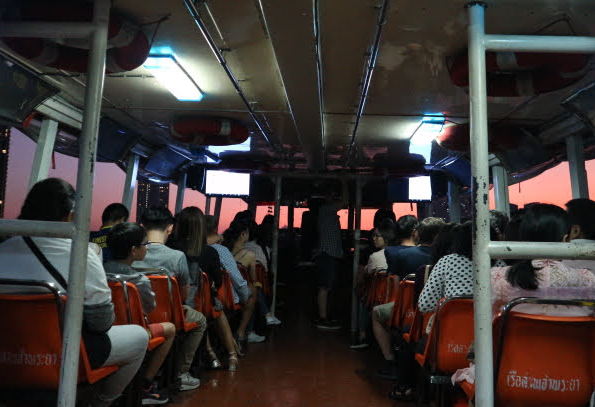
x=125 y=345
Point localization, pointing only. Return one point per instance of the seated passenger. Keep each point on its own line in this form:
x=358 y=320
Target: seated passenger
x=158 y=222
x=582 y=231
x=383 y=236
x=127 y=242
x=546 y=278
x=112 y=215
x=190 y=237
x=406 y=230
x=53 y=200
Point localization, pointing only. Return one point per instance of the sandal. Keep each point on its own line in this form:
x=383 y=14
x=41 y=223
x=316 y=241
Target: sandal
x=233 y=362
x=402 y=393
x=215 y=364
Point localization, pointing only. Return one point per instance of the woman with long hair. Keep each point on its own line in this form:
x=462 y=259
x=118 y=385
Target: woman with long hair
x=190 y=236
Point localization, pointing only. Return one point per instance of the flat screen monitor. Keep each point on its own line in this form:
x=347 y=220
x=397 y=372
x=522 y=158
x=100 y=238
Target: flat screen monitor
x=227 y=183
x=420 y=189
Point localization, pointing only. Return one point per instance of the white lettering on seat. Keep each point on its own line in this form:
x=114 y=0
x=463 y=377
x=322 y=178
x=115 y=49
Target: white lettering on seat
x=22 y=358
x=456 y=348
x=542 y=384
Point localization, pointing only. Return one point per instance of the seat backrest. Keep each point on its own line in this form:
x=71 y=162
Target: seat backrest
x=391 y=289
x=404 y=309
x=451 y=336
x=163 y=289
x=120 y=301
x=381 y=288
x=207 y=301
x=226 y=290
x=543 y=360
x=263 y=278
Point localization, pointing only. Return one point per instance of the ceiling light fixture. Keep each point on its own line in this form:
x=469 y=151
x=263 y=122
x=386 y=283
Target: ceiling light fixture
x=429 y=128
x=168 y=71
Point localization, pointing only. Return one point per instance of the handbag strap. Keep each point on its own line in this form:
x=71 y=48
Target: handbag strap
x=45 y=262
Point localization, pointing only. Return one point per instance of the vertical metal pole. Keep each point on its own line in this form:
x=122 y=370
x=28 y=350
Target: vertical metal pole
x=500 y=179
x=217 y=214
x=290 y=218
x=252 y=207
x=482 y=298
x=454 y=202
x=77 y=272
x=180 y=194
x=43 y=152
x=350 y=217
x=275 y=254
x=130 y=183
x=207 y=205
x=576 y=163
x=356 y=246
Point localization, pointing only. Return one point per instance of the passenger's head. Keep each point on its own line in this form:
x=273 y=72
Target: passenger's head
x=541 y=223
x=127 y=241
x=512 y=229
x=428 y=229
x=406 y=227
x=383 y=213
x=443 y=242
x=190 y=230
x=211 y=225
x=113 y=214
x=582 y=217
x=157 y=218
x=498 y=223
x=265 y=231
x=237 y=233
x=51 y=199
x=385 y=234
x=247 y=217
x=462 y=238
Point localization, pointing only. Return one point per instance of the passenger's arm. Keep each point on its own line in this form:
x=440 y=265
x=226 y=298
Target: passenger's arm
x=98 y=310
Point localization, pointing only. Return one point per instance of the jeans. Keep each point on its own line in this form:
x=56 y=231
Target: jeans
x=129 y=345
x=189 y=341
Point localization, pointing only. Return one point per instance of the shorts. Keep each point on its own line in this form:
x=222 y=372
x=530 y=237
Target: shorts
x=157 y=331
x=384 y=312
x=327 y=270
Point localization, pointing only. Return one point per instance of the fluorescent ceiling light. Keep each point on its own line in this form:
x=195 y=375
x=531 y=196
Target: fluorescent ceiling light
x=429 y=128
x=170 y=74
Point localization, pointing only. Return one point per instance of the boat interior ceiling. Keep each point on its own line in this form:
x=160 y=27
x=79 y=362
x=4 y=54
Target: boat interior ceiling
x=302 y=67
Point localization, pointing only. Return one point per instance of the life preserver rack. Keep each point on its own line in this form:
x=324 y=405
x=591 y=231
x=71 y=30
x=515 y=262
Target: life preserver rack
x=128 y=46
x=208 y=132
x=523 y=73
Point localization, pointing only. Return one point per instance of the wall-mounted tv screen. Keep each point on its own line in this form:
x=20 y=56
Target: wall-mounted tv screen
x=409 y=189
x=227 y=183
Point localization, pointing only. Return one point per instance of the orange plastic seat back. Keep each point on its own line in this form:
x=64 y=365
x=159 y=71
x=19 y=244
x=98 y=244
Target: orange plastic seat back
x=545 y=361
x=381 y=288
x=393 y=284
x=406 y=305
x=178 y=310
x=162 y=287
x=120 y=302
x=371 y=294
x=207 y=307
x=451 y=336
x=263 y=278
x=226 y=291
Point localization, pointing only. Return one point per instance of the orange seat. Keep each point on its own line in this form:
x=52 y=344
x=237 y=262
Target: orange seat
x=381 y=288
x=128 y=308
x=543 y=360
x=31 y=353
x=263 y=278
x=391 y=289
x=169 y=303
x=226 y=291
x=203 y=294
x=418 y=326
x=372 y=288
x=404 y=309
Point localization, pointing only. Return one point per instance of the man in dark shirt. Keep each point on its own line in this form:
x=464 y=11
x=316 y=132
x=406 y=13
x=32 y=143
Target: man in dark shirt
x=112 y=215
x=406 y=237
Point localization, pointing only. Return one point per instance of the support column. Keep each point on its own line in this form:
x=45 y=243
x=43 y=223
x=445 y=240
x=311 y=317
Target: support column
x=500 y=179
x=252 y=208
x=454 y=202
x=77 y=271
x=180 y=194
x=275 y=248
x=207 y=205
x=217 y=213
x=356 y=245
x=130 y=183
x=575 y=147
x=482 y=304
x=43 y=152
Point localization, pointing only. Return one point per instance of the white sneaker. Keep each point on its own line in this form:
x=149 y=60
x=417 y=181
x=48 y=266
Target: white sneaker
x=272 y=320
x=255 y=338
x=189 y=382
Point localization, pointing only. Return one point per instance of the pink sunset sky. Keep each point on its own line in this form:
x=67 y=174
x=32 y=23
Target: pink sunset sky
x=553 y=186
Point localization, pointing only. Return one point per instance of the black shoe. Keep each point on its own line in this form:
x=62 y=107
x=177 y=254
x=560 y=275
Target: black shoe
x=326 y=325
x=389 y=372
x=153 y=396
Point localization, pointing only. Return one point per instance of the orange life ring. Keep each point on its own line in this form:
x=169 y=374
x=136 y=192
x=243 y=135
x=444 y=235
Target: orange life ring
x=209 y=132
x=499 y=138
x=523 y=73
x=128 y=45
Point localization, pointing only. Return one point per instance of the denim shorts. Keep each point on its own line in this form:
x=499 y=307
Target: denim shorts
x=327 y=270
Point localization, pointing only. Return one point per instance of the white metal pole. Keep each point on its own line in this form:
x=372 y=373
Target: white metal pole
x=500 y=179
x=43 y=151
x=207 y=205
x=73 y=317
x=130 y=183
x=540 y=43
x=454 y=202
x=356 y=246
x=541 y=250
x=482 y=298
x=275 y=248
x=180 y=194
x=18 y=227
x=575 y=147
x=217 y=213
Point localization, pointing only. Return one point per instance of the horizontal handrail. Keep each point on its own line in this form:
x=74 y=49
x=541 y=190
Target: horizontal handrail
x=540 y=250
x=539 y=43
x=38 y=228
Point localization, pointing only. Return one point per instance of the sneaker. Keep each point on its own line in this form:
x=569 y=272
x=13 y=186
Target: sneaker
x=153 y=396
x=272 y=320
x=252 y=337
x=326 y=325
x=189 y=382
x=362 y=344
